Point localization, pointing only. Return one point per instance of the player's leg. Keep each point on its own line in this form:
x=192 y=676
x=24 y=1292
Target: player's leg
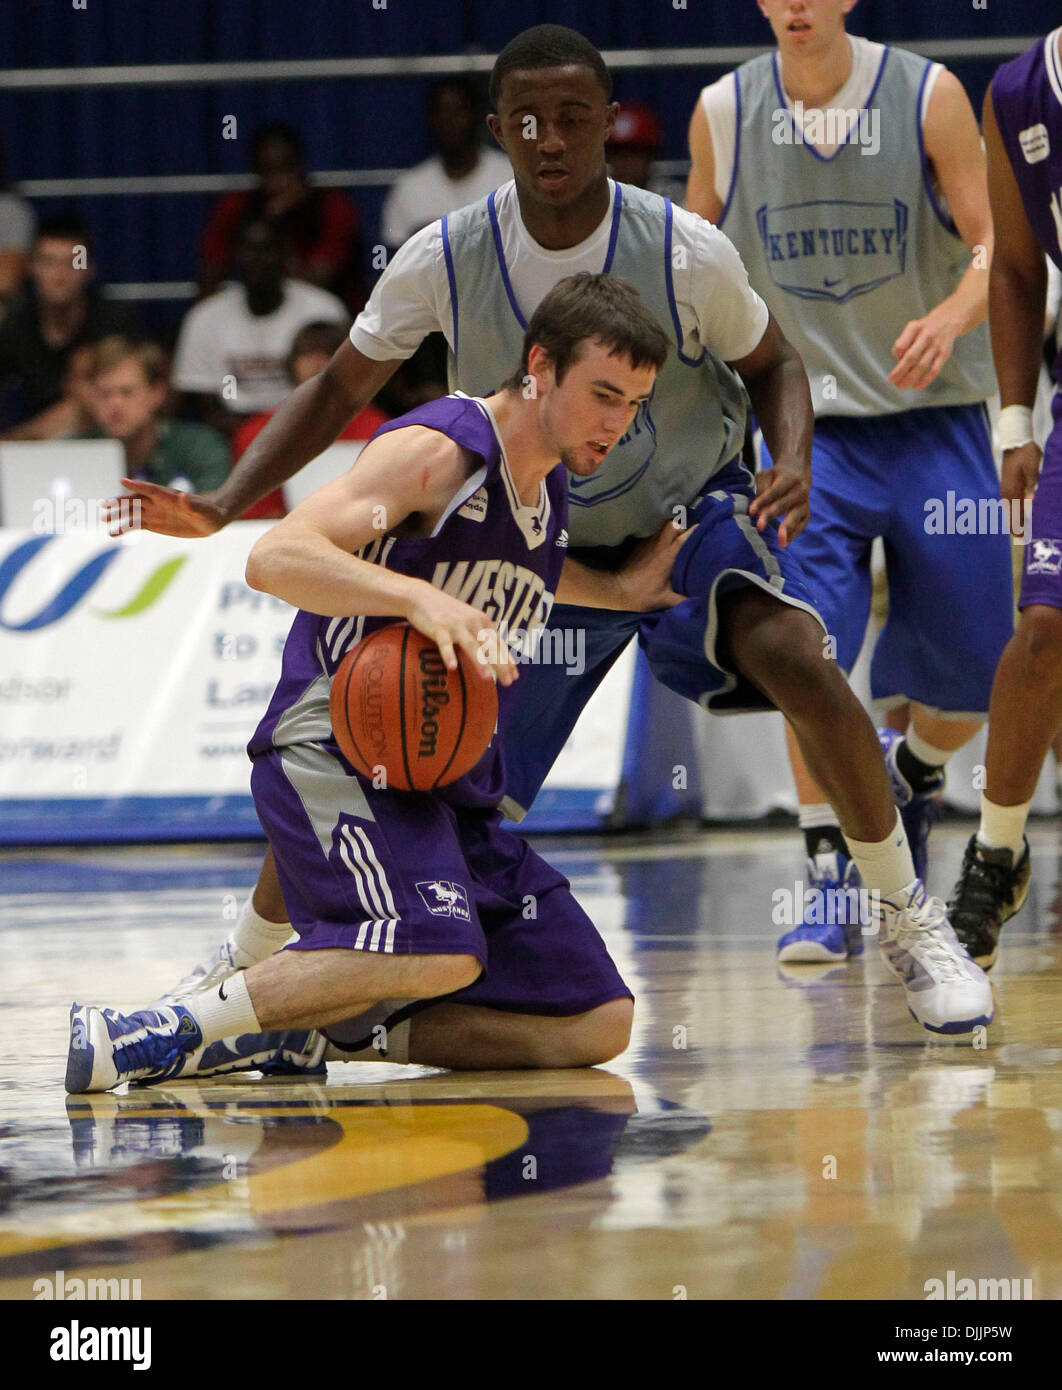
x=950 y=594
x=1025 y=716
x=848 y=509
x=370 y=927
x=751 y=639
x=550 y=695
x=468 y=1037
x=551 y=995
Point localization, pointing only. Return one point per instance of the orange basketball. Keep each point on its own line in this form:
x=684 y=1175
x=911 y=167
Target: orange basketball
x=395 y=706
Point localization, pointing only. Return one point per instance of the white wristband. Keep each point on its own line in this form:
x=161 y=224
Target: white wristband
x=1015 y=427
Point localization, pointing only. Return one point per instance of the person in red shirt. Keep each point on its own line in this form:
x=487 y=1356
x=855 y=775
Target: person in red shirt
x=320 y=226
x=311 y=351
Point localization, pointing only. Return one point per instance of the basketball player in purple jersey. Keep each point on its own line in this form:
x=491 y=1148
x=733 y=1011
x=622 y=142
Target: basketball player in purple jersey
x=1023 y=138
x=416 y=895
x=748 y=636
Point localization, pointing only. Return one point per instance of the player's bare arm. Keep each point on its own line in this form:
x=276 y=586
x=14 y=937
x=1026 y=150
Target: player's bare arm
x=305 y=424
x=403 y=481
x=701 y=196
x=778 y=387
x=643 y=583
x=954 y=150
x=1017 y=293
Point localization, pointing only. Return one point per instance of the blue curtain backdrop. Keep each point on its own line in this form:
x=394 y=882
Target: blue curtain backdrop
x=347 y=124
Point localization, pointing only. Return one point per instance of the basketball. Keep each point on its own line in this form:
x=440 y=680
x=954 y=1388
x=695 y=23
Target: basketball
x=394 y=705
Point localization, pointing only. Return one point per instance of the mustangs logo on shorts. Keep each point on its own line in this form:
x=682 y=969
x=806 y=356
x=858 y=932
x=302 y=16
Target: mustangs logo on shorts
x=444 y=899
x=1046 y=558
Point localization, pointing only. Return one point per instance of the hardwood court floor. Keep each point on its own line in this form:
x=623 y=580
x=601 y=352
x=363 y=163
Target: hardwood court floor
x=767 y=1135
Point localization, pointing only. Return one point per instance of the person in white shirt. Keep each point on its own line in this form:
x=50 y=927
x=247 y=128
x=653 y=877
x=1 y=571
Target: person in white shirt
x=231 y=359
x=461 y=171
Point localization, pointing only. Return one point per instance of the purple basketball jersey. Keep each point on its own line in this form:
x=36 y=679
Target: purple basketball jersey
x=1027 y=100
x=488 y=550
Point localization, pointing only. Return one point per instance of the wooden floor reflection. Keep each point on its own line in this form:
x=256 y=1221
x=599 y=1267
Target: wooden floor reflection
x=783 y=1135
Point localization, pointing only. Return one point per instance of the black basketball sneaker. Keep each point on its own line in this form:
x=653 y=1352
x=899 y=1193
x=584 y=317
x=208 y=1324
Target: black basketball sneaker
x=990 y=890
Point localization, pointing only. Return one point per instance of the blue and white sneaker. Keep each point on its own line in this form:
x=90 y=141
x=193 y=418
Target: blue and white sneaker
x=831 y=929
x=294 y=1053
x=946 y=991
x=107 y=1047
x=919 y=811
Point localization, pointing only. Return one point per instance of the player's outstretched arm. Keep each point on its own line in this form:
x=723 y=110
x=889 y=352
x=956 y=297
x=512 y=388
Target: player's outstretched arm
x=406 y=476
x=778 y=387
x=640 y=585
x=1017 y=291
x=304 y=425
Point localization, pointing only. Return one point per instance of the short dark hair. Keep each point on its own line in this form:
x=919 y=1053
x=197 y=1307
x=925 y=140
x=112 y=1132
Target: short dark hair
x=467 y=83
x=283 y=134
x=597 y=308
x=319 y=336
x=63 y=226
x=548 y=46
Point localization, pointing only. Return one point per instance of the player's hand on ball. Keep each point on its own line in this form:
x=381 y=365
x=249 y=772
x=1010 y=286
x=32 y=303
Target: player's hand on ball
x=782 y=491
x=151 y=507
x=1021 y=470
x=449 y=623
x=645 y=580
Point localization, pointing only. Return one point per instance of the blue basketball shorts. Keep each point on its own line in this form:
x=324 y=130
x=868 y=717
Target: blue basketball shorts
x=925 y=481
x=407 y=873
x=724 y=552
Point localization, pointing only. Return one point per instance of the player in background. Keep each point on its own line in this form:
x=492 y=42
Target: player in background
x=850 y=176
x=416 y=895
x=748 y=637
x=1023 y=138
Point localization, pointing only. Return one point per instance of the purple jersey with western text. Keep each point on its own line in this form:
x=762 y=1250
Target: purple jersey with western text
x=488 y=549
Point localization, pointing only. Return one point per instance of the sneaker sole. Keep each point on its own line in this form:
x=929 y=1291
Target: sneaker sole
x=963 y=1026
x=809 y=953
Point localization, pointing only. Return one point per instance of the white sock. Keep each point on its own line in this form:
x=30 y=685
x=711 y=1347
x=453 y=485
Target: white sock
x=925 y=752
x=227 y=1011
x=254 y=937
x=818 y=816
x=1002 y=827
x=885 y=867
x=390 y=1046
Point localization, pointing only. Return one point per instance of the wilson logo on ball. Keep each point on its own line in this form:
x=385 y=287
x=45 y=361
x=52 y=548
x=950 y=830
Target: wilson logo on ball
x=395 y=705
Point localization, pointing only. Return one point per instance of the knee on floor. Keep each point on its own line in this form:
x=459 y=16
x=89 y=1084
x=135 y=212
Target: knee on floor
x=598 y=1037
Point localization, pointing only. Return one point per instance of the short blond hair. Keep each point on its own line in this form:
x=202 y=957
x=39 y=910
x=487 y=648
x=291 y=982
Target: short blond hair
x=112 y=352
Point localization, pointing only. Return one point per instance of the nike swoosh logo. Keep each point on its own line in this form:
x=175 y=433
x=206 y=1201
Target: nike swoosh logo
x=829 y=284
x=221 y=993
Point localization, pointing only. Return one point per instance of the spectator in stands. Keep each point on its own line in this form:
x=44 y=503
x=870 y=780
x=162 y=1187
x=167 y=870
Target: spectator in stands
x=231 y=359
x=57 y=312
x=461 y=171
x=632 y=151
x=320 y=226
x=130 y=387
x=312 y=350
x=17 y=220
